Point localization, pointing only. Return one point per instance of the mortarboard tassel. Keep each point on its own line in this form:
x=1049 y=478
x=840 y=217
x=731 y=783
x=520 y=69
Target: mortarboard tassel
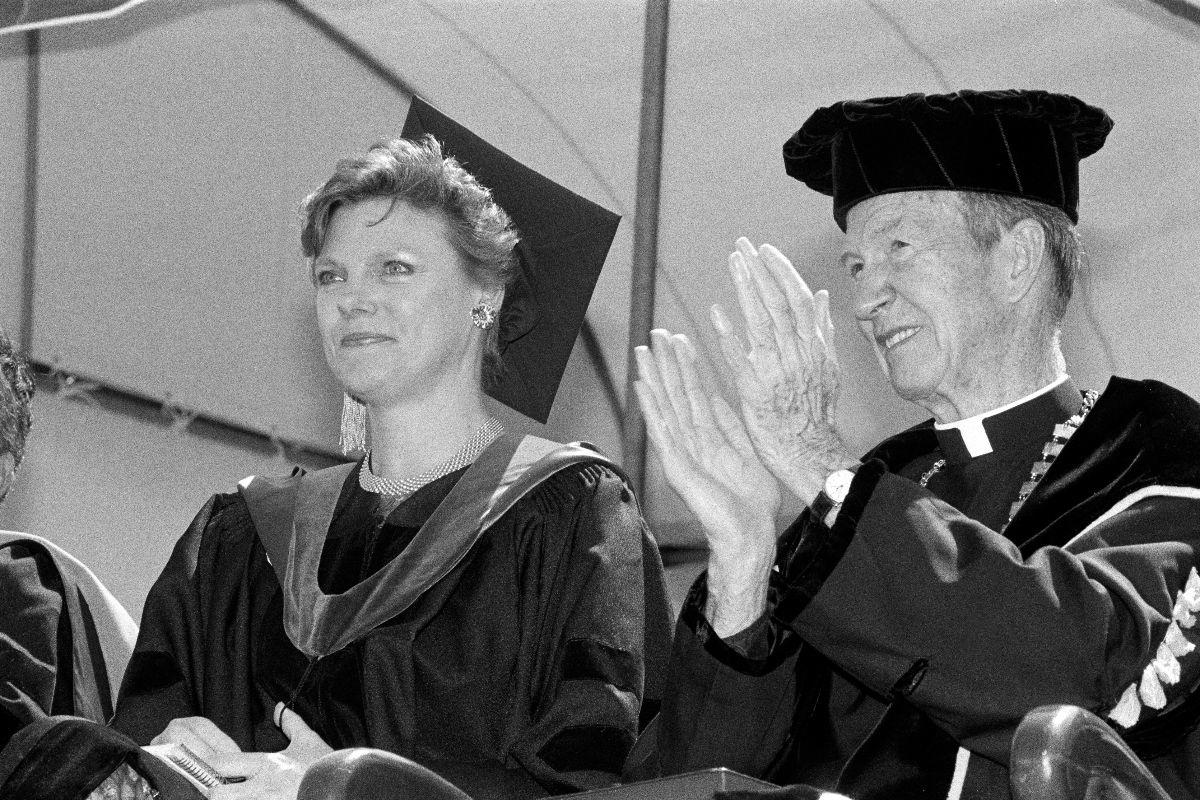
x=354 y=427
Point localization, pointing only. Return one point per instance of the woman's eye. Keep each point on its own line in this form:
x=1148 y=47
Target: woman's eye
x=855 y=268
x=391 y=268
x=900 y=246
x=324 y=277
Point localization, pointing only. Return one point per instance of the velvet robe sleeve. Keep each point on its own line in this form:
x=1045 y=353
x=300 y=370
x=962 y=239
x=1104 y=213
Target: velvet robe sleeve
x=927 y=603
x=732 y=708
x=184 y=665
x=914 y=599
x=600 y=613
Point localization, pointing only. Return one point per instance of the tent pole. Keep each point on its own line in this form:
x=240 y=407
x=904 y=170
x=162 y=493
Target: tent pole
x=645 y=229
x=33 y=56
x=350 y=47
x=1181 y=8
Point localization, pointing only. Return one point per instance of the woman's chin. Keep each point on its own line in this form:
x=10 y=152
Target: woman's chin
x=387 y=387
x=370 y=392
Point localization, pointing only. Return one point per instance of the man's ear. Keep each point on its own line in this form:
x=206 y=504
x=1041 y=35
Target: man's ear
x=1023 y=250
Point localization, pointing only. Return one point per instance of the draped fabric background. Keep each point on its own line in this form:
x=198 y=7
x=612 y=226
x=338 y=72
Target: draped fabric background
x=172 y=144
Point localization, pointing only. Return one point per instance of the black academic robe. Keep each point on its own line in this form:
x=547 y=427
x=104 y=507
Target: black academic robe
x=35 y=639
x=519 y=673
x=914 y=627
x=64 y=639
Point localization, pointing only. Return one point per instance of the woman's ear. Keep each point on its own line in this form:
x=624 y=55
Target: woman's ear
x=494 y=298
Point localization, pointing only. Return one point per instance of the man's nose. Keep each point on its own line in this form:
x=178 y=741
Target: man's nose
x=872 y=292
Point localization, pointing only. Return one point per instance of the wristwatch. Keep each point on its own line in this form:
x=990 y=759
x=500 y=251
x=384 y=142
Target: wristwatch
x=830 y=498
x=837 y=485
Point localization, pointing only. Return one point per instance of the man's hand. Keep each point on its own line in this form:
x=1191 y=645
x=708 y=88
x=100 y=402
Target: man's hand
x=788 y=376
x=709 y=460
x=271 y=776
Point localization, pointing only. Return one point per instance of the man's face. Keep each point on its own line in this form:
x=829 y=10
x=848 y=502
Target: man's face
x=928 y=301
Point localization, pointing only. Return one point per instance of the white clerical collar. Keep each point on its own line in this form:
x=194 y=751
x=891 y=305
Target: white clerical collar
x=971 y=429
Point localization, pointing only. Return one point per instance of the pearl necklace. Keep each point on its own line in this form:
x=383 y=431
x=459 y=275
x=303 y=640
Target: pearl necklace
x=1050 y=450
x=402 y=487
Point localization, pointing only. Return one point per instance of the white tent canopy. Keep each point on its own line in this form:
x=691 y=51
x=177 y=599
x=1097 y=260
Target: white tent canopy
x=169 y=146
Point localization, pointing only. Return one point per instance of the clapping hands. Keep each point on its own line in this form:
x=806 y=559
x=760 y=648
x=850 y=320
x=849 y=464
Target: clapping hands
x=709 y=460
x=787 y=372
x=705 y=450
x=725 y=466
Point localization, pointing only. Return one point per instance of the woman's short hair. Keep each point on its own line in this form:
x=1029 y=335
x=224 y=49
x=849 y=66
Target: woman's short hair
x=417 y=173
x=16 y=395
x=987 y=216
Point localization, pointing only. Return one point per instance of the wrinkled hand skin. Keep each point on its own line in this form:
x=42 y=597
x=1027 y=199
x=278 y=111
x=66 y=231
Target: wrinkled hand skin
x=722 y=465
x=710 y=461
x=707 y=456
x=787 y=373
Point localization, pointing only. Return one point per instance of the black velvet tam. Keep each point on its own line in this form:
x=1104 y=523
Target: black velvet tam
x=1026 y=143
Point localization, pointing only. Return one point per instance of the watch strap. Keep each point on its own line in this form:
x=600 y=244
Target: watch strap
x=822 y=506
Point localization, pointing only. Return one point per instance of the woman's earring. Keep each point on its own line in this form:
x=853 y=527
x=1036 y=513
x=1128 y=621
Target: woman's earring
x=483 y=316
x=354 y=426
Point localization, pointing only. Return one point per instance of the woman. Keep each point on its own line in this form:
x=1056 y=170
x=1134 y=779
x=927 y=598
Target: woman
x=404 y=602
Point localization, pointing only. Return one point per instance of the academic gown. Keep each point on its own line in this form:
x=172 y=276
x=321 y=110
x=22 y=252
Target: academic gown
x=903 y=646
x=521 y=672
x=64 y=639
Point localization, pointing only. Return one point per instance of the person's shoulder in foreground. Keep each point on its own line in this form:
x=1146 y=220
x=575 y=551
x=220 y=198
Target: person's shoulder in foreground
x=64 y=638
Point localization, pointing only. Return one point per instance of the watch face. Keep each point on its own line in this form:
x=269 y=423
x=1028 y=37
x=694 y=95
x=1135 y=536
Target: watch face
x=837 y=485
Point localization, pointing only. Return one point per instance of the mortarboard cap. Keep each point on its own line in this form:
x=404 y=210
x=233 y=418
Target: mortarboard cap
x=1026 y=143
x=564 y=241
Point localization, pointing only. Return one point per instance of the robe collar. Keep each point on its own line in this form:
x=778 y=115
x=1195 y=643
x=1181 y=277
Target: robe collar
x=1140 y=433
x=1010 y=426
x=292 y=517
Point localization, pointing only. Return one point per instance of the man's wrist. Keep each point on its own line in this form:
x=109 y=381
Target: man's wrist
x=829 y=499
x=729 y=614
x=737 y=590
x=807 y=480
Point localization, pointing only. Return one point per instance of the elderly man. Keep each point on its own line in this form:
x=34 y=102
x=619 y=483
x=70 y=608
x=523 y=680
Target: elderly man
x=1031 y=544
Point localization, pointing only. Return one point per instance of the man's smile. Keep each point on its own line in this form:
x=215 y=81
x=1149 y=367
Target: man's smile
x=890 y=339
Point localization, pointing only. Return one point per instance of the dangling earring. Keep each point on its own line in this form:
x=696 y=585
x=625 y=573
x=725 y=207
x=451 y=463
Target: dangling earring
x=354 y=426
x=483 y=316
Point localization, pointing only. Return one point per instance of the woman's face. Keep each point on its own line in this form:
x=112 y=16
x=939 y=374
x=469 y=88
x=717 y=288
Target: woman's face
x=394 y=304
